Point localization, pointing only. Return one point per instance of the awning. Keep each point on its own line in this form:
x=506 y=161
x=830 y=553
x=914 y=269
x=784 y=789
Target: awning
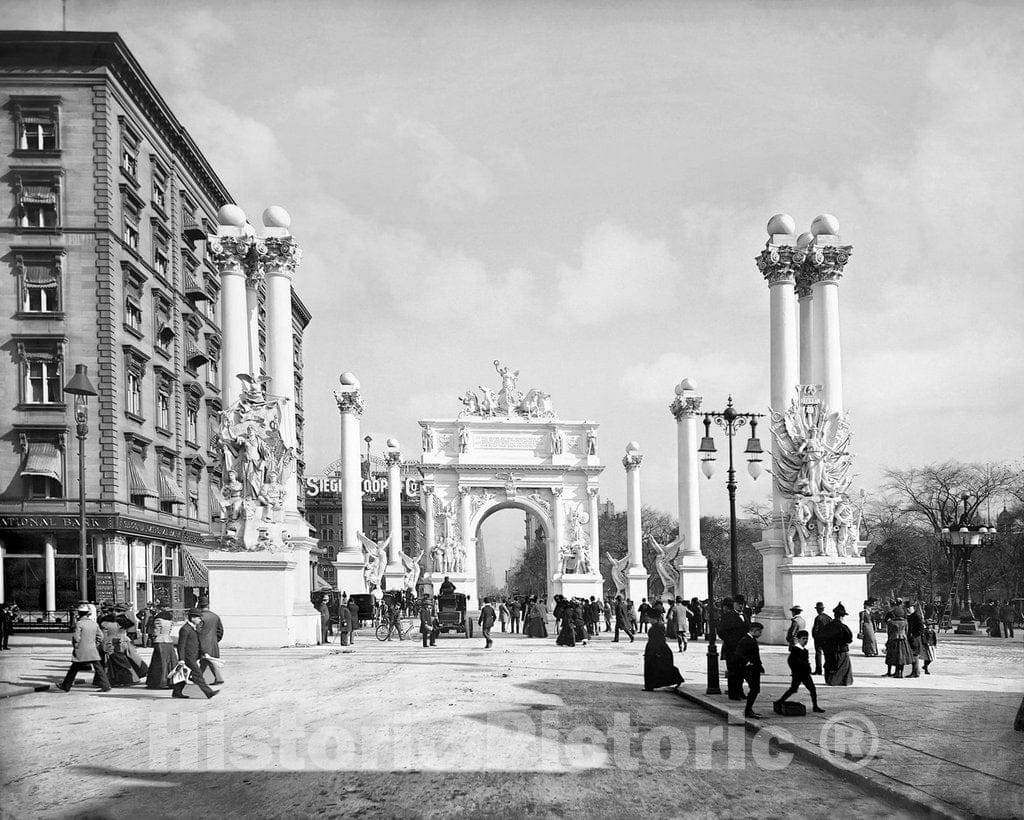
x=319 y=584
x=194 y=569
x=36 y=274
x=43 y=459
x=169 y=489
x=137 y=480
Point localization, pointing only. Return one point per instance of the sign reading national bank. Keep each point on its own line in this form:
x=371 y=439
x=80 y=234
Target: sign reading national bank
x=115 y=522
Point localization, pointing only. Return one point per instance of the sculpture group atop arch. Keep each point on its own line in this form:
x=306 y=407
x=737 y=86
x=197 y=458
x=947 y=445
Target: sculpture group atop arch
x=507 y=449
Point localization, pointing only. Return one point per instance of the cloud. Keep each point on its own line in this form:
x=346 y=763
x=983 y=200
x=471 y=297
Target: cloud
x=453 y=181
x=619 y=272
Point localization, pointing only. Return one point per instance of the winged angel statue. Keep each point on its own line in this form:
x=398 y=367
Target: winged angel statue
x=618 y=567
x=812 y=470
x=376 y=560
x=665 y=564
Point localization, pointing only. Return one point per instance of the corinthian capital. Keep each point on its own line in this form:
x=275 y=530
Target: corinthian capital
x=632 y=461
x=281 y=255
x=229 y=253
x=350 y=401
x=685 y=407
x=778 y=263
x=825 y=264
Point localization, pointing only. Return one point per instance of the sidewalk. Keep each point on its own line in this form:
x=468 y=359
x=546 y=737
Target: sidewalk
x=944 y=741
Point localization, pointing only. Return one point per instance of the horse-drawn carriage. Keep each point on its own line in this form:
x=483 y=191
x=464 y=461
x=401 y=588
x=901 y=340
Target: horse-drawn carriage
x=452 y=615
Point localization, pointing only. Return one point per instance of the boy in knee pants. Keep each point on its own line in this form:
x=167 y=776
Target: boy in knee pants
x=800 y=670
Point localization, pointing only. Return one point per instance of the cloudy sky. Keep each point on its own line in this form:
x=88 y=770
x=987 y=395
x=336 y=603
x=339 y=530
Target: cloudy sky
x=579 y=190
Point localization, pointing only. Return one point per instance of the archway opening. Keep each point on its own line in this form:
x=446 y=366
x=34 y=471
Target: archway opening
x=512 y=552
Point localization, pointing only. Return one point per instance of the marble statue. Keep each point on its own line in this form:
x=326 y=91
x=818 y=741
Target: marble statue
x=509 y=399
x=463 y=439
x=664 y=564
x=412 y=570
x=437 y=554
x=557 y=442
x=509 y=396
x=812 y=468
x=618 y=568
x=256 y=449
x=581 y=552
x=428 y=439
x=376 y=560
x=488 y=401
x=591 y=443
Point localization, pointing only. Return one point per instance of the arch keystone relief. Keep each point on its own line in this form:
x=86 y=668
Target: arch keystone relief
x=508 y=449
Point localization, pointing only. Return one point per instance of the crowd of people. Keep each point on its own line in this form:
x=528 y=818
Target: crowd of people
x=107 y=638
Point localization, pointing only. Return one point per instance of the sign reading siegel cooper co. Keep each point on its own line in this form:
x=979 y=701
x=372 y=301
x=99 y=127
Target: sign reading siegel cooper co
x=375 y=485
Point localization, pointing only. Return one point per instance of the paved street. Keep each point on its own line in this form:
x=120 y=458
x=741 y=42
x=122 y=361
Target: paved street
x=525 y=729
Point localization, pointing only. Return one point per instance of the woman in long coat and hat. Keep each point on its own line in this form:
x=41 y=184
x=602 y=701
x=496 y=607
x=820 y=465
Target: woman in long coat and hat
x=165 y=656
x=659 y=669
x=835 y=640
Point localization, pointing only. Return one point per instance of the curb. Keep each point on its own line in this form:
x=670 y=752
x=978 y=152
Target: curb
x=906 y=796
x=45 y=687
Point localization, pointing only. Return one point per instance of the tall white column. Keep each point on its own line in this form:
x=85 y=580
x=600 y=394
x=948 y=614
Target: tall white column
x=633 y=524
x=469 y=544
x=280 y=260
x=3 y=554
x=686 y=410
x=803 y=291
x=558 y=525
x=778 y=265
x=50 y=571
x=349 y=563
x=395 y=571
x=252 y=320
x=429 y=535
x=148 y=554
x=636 y=574
x=228 y=249
x=595 y=547
x=825 y=263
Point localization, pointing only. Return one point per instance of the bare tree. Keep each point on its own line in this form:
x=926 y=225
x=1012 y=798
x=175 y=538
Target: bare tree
x=935 y=495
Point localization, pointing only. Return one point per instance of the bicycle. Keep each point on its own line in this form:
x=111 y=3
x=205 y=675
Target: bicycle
x=394 y=627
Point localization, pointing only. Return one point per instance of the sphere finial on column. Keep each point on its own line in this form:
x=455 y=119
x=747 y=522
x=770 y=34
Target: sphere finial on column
x=781 y=224
x=276 y=217
x=348 y=379
x=825 y=224
x=231 y=216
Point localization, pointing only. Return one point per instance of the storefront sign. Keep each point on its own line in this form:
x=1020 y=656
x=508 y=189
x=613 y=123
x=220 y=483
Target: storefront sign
x=317 y=486
x=110 y=523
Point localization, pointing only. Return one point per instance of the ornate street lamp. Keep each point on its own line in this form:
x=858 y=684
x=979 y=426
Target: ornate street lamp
x=81 y=388
x=964 y=538
x=731 y=421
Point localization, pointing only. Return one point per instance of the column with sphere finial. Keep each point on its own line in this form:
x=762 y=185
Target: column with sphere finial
x=349 y=561
x=229 y=249
x=824 y=265
x=395 y=571
x=636 y=575
x=691 y=563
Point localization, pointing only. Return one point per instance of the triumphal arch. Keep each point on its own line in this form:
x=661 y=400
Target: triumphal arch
x=507 y=449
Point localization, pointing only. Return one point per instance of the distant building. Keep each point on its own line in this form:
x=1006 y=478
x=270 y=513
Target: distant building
x=104 y=264
x=323 y=511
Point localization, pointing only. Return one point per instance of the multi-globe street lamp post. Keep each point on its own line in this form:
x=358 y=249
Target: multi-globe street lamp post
x=731 y=421
x=964 y=538
x=81 y=388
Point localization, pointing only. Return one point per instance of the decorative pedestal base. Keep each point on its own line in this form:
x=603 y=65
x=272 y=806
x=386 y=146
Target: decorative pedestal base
x=693 y=577
x=637 y=587
x=263 y=598
x=803 y=581
x=966 y=628
x=349 y=573
x=394 y=578
x=573 y=585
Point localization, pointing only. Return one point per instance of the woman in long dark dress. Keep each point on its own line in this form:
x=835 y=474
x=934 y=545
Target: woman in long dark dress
x=566 y=630
x=836 y=639
x=536 y=621
x=659 y=670
x=165 y=658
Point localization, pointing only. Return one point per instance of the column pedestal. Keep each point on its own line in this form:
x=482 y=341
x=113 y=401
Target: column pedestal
x=578 y=585
x=693 y=577
x=804 y=580
x=263 y=598
x=348 y=571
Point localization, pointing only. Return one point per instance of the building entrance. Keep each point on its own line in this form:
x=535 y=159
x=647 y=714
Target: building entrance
x=508 y=449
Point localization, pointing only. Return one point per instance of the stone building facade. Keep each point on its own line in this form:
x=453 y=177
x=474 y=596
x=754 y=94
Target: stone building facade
x=103 y=262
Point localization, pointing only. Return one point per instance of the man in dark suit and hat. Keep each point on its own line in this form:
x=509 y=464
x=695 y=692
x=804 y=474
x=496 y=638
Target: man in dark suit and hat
x=211 y=633
x=821 y=620
x=730 y=630
x=189 y=652
x=748 y=660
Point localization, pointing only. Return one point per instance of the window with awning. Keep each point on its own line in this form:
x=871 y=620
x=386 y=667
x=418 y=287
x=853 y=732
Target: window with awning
x=43 y=460
x=138 y=481
x=170 y=492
